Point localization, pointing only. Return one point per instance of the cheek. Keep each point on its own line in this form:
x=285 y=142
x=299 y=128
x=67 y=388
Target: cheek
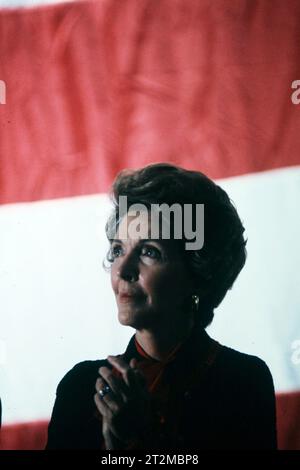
x=113 y=278
x=167 y=283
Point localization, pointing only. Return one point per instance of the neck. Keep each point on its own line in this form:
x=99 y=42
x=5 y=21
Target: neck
x=158 y=343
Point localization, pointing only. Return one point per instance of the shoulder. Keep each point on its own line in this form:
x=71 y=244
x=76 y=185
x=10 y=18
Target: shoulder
x=73 y=423
x=244 y=393
x=81 y=376
x=242 y=366
x=238 y=358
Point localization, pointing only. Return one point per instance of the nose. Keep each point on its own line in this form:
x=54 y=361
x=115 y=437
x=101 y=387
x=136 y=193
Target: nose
x=128 y=268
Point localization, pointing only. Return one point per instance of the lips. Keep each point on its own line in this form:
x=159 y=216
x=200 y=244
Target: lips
x=130 y=297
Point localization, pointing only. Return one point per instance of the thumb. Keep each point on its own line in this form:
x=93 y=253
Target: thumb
x=133 y=363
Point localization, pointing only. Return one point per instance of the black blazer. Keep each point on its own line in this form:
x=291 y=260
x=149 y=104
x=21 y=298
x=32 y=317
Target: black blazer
x=231 y=406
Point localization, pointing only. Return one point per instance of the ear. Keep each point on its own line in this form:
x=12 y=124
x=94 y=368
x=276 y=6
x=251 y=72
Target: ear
x=199 y=289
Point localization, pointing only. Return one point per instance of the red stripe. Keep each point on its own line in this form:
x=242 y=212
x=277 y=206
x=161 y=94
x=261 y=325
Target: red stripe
x=24 y=436
x=33 y=435
x=288 y=419
x=93 y=87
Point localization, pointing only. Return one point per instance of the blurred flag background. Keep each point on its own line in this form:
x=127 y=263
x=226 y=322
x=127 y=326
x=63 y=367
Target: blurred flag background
x=91 y=87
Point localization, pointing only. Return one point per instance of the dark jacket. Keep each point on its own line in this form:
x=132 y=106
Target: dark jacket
x=230 y=404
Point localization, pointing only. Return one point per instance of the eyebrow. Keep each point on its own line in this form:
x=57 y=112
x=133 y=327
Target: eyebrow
x=169 y=246
x=142 y=240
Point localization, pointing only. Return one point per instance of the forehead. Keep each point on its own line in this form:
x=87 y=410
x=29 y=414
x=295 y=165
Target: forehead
x=141 y=226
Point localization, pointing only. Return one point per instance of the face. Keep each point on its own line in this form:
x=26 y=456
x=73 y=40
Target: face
x=149 y=278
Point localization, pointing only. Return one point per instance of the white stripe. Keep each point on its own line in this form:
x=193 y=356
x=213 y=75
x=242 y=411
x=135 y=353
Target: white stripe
x=58 y=308
x=29 y=3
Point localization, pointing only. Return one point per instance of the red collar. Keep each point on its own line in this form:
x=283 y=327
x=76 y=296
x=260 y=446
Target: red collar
x=145 y=355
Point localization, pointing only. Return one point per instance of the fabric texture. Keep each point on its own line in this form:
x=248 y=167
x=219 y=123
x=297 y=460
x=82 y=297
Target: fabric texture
x=231 y=405
x=95 y=86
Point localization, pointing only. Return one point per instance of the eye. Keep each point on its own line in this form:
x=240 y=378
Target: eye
x=151 y=252
x=116 y=250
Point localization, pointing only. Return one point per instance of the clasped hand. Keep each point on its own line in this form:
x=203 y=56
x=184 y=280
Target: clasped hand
x=125 y=409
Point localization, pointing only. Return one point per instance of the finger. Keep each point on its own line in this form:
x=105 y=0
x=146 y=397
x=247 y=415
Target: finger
x=111 y=401
x=100 y=384
x=134 y=365
x=117 y=385
x=114 y=402
x=134 y=378
x=102 y=407
x=122 y=366
x=116 y=391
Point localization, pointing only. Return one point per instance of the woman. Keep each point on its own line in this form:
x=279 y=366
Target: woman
x=174 y=387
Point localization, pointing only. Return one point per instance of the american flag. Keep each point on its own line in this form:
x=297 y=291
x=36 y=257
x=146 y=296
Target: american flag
x=88 y=88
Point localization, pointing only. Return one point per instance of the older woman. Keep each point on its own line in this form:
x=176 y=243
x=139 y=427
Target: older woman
x=174 y=387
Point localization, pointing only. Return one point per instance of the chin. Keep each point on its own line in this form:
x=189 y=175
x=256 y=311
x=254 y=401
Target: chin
x=126 y=318
x=131 y=319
